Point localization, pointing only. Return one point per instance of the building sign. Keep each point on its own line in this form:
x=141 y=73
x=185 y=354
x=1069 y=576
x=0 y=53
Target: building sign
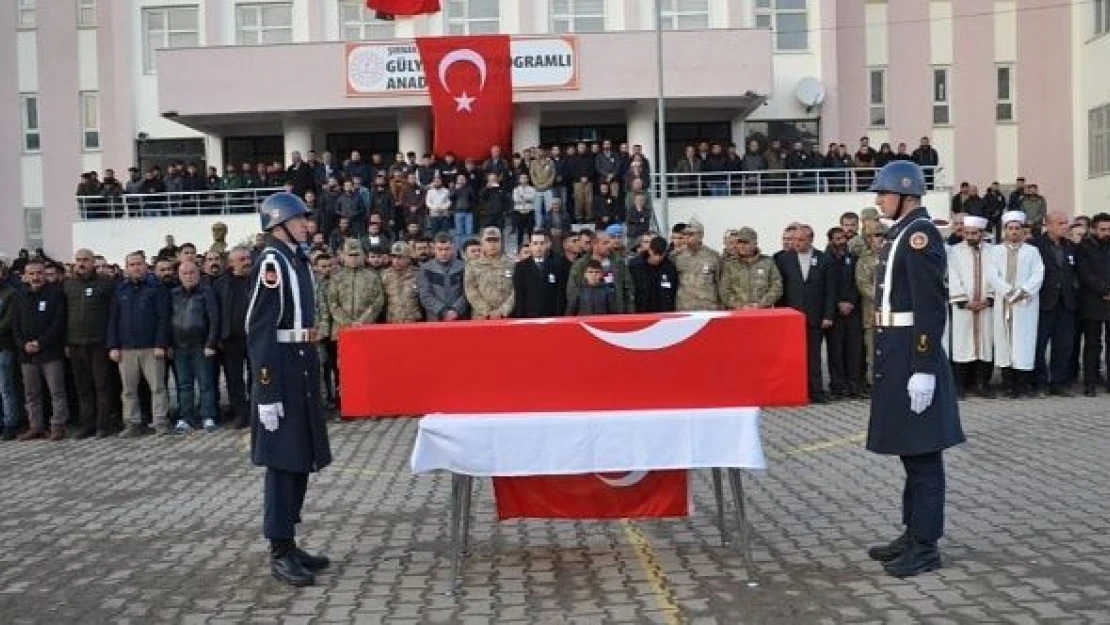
x=539 y=64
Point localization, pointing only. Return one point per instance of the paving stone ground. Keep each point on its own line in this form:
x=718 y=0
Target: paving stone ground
x=166 y=530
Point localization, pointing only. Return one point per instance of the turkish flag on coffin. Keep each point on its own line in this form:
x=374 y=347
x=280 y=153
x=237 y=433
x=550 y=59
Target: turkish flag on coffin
x=594 y=495
x=470 y=83
x=403 y=7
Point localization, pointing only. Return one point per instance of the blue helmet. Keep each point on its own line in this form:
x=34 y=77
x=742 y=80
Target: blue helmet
x=280 y=208
x=901 y=177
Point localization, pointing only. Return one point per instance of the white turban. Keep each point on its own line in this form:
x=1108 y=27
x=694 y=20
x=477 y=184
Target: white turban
x=971 y=221
x=1017 y=216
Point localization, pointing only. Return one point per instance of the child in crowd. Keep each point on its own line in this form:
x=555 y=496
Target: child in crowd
x=595 y=297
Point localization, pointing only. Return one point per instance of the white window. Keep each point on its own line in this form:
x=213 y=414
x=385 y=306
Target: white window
x=876 y=98
x=1098 y=140
x=1004 y=99
x=29 y=116
x=685 y=14
x=577 y=16
x=1102 y=17
x=90 y=120
x=86 y=13
x=941 y=110
x=788 y=18
x=25 y=13
x=169 y=27
x=32 y=227
x=261 y=24
x=472 y=17
x=359 y=23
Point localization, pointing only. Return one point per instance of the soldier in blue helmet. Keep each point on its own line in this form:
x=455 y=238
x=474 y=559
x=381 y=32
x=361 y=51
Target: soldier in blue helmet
x=914 y=413
x=288 y=433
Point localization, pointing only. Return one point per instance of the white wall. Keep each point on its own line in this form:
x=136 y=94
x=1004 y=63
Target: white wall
x=769 y=214
x=114 y=238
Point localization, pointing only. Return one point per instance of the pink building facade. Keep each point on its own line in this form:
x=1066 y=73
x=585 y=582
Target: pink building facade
x=1002 y=88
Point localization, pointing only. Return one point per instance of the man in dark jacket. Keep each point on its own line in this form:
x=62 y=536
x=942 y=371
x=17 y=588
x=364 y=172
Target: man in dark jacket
x=1094 y=299
x=138 y=337
x=845 y=338
x=654 y=279
x=926 y=156
x=194 y=328
x=233 y=291
x=536 y=281
x=806 y=288
x=9 y=400
x=39 y=330
x=88 y=300
x=1059 y=303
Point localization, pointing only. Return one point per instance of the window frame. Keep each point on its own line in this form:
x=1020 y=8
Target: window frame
x=1101 y=20
x=27 y=129
x=1011 y=98
x=450 y=19
x=36 y=241
x=943 y=101
x=770 y=13
x=26 y=14
x=1098 y=141
x=165 y=32
x=880 y=105
x=258 y=28
x=86 y=14
x=86 y=99
x=670 y=13
x=365 y=24
x=572 y=16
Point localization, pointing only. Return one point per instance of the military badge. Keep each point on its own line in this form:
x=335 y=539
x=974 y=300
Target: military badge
x=922 y=344
x=264 y=376
x=919 y=240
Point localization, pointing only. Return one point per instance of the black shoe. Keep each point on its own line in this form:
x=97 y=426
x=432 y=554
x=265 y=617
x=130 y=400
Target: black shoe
x=9 y=434
x=85 y=433
x=1013 y=393
x=987 y=392
x=1059 y=391
x=289 y=570
x=819 y=398
x=310 y=562
x=918 y=558
x=1089 y=390
x=886 y=553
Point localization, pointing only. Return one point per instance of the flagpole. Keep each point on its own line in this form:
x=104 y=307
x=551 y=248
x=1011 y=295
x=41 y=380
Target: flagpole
x=661 y=119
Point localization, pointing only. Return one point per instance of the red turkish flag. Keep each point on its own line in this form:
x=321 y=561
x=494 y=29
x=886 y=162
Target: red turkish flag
x=403 y=7
x=470 y=83
x=636 y=494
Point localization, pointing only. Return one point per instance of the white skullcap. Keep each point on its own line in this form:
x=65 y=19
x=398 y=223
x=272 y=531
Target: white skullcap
x=1017 y=216
x=971 y=221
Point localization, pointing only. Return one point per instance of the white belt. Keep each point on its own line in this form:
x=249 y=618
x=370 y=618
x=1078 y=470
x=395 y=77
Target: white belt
x=307 y=335
x=893 y=319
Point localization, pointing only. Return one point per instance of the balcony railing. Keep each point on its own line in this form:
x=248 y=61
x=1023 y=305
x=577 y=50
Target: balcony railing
x=778 y=182
x=183 y=204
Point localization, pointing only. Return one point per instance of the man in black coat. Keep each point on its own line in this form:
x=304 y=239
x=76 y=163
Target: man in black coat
x=1059 y=303
x=233 y=290
x=537 y=280
x=39 y=330
x=806 y=288
x=654 y=279
x=845 y=338
x=1094 y=299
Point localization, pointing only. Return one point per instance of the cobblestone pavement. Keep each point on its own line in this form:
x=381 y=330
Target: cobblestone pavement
x=162 y=530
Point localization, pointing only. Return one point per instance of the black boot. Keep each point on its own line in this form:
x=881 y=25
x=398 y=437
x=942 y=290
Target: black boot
x=918 y=558
x=310 y=562
x=1089 y=390
x=286 y=567
x=886 y=553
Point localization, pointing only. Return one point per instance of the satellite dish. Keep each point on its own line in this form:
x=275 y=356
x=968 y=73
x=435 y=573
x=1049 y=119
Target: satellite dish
x=810 y=92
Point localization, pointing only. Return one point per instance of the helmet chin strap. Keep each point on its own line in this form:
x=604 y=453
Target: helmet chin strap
x=297 y=245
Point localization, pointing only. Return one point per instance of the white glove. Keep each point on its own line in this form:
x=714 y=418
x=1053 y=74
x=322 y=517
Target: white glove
x=270 y=415
x=920 y=388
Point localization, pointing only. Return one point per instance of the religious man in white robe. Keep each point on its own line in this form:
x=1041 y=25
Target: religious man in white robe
x=972 y=308
x=1015 y=273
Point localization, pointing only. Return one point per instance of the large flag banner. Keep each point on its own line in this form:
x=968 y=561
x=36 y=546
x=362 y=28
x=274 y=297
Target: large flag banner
x=636 y=494
x=470 y=83
x=403 y=7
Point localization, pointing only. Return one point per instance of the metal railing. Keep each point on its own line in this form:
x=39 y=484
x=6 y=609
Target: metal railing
x=178 y=204
x=778 y=182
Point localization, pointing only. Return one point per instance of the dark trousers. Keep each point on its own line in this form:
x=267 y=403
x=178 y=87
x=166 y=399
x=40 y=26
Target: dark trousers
x=845 y=354
x=814 y=335
x=1076 y=348
x=282 y=501
x=93 y=381
x=1056 y=328
x=974 y=374
x=923 y=496
x=1092 y=349
x=234 y=361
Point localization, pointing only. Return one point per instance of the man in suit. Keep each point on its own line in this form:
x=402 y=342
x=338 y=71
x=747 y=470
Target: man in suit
x=539 y=282
x=845 y=338
x=1094 y=276
x=806 y=288
x=1059 y=303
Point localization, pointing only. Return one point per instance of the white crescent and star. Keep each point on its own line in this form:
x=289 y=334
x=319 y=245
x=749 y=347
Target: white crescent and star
x=463 y=102
x=659 y=335
x=630 y=479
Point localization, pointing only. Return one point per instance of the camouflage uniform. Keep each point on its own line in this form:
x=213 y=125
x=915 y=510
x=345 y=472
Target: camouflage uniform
x=489 y=286
x=354 y=296
x=697 y=278
x=866 y=266
x=324 y=342
x=744 y=282
x=402 y=300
